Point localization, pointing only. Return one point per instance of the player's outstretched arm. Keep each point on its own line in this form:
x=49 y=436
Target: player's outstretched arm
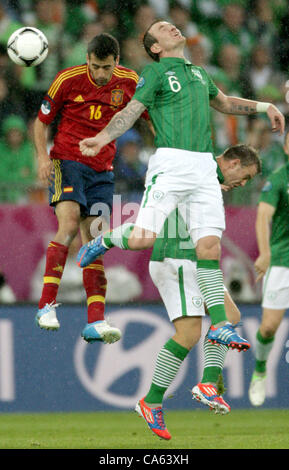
x=265 y=213
x=234 y=105
x=118 y=125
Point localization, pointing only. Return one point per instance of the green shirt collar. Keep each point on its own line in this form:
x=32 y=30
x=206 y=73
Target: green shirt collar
x=175 y=59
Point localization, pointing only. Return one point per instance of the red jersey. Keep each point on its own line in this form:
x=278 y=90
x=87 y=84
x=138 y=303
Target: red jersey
x=85 y=109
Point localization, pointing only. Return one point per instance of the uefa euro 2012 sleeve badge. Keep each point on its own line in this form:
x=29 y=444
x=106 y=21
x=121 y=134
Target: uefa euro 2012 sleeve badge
x=45 y=107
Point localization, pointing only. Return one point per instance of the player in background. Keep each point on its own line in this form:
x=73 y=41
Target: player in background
x=272 y=264
x=85 y=97
x=178 y=96
x=173 y=270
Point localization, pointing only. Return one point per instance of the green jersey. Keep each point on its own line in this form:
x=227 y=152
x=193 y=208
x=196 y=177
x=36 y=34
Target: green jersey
x=174 y=240
x=177 y=96
x=276 y=193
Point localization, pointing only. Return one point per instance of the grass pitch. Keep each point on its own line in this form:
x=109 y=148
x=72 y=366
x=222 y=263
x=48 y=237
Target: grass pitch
x=200 y=429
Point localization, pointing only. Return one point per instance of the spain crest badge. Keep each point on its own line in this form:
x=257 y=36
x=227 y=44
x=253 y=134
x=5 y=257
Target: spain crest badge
x=116 y=97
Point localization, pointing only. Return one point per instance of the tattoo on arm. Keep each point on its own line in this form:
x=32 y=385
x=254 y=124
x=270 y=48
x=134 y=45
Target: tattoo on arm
x=125 y=119
x=241 y=106
x=242 y=109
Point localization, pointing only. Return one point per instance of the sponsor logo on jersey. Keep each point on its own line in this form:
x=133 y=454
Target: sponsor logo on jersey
x=169 y=73
x=141 y=82
x=197 y=301
x=45 y=107
x=79 y=99
x=117 y=97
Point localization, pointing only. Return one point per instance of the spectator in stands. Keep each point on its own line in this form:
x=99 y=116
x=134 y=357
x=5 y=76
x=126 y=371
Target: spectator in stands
x=229 y=61
x=232 y=72
x=17 y=167
x=262 y=72
x=142 y=19
x=77 y=51
x=7 y=26
x=129 y=169
x=271 y=151
x=233 y=30
x=7 y=106
x=282 y=48
x=37 y=80
x=206 y=13
x=133 y=54
x=229 y=129
x=181 y=18
x=261 y=24
x=76 y=15
x=110 y=21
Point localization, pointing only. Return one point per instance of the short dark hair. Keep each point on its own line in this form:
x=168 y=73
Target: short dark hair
x=149 y=40
x=247 y=155
x=103 y=45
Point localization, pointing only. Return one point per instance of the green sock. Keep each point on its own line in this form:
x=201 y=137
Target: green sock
x=118 y=237
x=211 y=284
x=214 y=361
x=263 y=348
x=168 y=362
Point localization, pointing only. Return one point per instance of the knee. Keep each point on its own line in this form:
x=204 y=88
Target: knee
x=69 y=226
x=209 y=248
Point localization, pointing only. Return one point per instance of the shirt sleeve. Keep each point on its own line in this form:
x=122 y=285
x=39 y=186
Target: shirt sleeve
x=270 y=192
x=132 y=89
x=53 y=101
x=147 y=87
x=213 y=89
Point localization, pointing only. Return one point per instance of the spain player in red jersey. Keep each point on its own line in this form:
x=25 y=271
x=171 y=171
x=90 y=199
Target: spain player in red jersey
x=86 y=97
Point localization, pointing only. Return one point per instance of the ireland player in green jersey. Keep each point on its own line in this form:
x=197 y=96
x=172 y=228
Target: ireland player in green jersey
x=178 y=96
x=174 y=272
x=272 y=230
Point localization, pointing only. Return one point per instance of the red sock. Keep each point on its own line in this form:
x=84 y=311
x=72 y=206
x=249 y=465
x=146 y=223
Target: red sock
x=94 y=282
x=56 y=255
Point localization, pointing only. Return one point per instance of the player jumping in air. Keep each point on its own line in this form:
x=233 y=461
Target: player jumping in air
x=173 y=270
x=86 y=97
x=272 y=231
x=178 y=96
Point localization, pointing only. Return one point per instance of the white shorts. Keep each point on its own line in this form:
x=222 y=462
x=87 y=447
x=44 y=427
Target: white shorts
x=187 y=180
x=276 y=288
x=176 y=281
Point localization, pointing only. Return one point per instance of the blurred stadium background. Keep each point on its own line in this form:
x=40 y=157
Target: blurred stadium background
x=244 y=45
